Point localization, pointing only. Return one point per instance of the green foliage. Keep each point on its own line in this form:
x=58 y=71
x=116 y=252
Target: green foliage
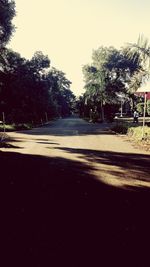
x=136 y=132
x=39 y=62
x=7 y=12
x=16 y=127
x=59 y=89
x=95 y=80
x=139 y=52
x=114 y=73
x=8 y=128
x=30 y=89
x=107 y=78
x=148 y=107
x=140 y=108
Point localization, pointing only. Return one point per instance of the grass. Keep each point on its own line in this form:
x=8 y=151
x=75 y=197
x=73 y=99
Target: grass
x=16 y=127
x=134 y=131
x=8 y=128
x=135 y=135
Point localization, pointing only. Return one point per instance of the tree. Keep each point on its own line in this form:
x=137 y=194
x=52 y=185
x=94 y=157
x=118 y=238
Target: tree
x=141 y=52
x=94 y=77
x=59 y=88
x=140 y=108
x=40 y=62
x=29 y=89
x=112 y=73
x=7 y=12
x=103 y=78
x=23 y=95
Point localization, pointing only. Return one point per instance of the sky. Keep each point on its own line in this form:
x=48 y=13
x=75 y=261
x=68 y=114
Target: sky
x=68 y=30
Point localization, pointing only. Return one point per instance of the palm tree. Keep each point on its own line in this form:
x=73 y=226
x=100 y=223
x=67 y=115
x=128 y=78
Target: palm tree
x=140 y=52
x=95 y=88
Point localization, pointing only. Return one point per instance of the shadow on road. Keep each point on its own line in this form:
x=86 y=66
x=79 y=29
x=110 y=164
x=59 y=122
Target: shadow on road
x=128 y=163
x=56 y=213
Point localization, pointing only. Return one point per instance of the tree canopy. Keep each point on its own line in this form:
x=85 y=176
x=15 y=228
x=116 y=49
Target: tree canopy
x=113 y=73
x=7 y=12
x=30 y=88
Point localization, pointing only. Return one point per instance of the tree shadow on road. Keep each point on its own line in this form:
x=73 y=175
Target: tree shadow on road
x=129 y=164
x=57 y=214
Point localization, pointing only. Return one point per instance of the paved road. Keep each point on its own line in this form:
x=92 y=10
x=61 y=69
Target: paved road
x=113 y=160
x=74 y=195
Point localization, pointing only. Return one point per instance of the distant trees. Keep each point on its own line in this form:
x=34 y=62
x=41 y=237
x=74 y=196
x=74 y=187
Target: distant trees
x=61 y=94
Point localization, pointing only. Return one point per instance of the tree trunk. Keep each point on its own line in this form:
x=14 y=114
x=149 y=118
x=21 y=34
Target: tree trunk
x=102 y=111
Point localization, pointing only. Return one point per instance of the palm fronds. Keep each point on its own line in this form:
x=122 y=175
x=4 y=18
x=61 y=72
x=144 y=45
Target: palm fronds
x=140 y=51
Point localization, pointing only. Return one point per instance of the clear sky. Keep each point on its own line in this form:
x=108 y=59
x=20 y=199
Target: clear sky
x=68 y=30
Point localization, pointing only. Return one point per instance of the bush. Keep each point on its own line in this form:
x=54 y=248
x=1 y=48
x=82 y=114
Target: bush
x=140 y=108
x=148 y=107
x=8 y=128
x=120 y=128
x=23 y=126
x=136 y=132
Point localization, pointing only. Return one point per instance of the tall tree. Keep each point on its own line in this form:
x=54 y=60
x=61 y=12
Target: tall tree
x=111 y=74
x=7 y=12
x=59 y=88
x=30 y=89
x=141 y=52
x=97 y=78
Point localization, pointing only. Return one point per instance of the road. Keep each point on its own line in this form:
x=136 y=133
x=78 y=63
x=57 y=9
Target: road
x=75 y=195
x=93 y=144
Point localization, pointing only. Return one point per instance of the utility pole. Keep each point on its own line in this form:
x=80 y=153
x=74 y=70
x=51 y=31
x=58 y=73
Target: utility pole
x=4 y=126
x=144 y=89
x=145 y=97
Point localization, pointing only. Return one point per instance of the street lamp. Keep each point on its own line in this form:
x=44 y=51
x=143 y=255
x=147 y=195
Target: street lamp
x=121 y=107
x=144 y=114
x=121 y=98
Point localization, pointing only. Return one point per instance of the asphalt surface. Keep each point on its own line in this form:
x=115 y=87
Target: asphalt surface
x=94 y=144
x=74 y=194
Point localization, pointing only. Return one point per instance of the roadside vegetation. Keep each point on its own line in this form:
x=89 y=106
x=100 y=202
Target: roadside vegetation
x=31 y=91
x=133 y=132
x=134 y=135
x=111 y=83
x=112 y=79
x=16 y=127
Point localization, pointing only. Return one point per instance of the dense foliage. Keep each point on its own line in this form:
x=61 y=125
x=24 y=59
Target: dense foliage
x=30 y=91
x=111 y=81
x=7 y=12
x=148 y=107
